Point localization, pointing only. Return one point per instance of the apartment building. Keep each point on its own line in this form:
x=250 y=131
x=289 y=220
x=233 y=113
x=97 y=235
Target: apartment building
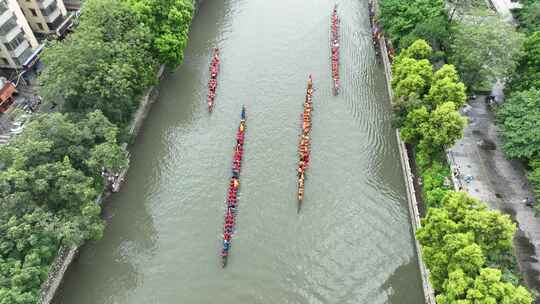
x=17 y=41
x=44 y=16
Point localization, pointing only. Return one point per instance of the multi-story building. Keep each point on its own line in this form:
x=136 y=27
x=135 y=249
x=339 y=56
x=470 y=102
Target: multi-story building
x=17 y=40
x=44 y=16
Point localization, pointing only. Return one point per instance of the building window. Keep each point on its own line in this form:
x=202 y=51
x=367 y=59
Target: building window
x=15 y=42
x=50 y=9
x=40 y=26
x=33 y=11
x=3 y=7
x=22 y=58
x=8 y=25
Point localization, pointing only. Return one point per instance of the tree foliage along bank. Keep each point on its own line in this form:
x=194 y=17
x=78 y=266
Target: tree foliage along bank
x=478 y=42
x=467 y=248
x=405 y=21
x=50 y=174
x=529 y=16
x=519 y=116
x=425 y=109
x=484 y=48
x=113 y=55
x=48 y=191
x=462 y=244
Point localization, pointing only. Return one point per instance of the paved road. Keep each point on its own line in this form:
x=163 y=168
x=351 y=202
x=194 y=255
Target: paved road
x=499 y=182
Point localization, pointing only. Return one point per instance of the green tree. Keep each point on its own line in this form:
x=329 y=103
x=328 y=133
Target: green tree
x=411 y=131
x=534 y=176
x=528 y=70
x=27 y=245
x=418 y=50
x=106 y=64
x=487 y=287
x=484 y=48
x=169 y=21
x=436 y=130
x=458 y=239
x=446 y=87
x=409 y=20
x=529 y=15
x=434 y=183
x=52 y=137
x=519 y=121
x=46 y=200
x=411 y=78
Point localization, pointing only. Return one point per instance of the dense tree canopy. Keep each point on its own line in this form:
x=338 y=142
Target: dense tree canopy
x=484 y=47
x=534 y=176
x=52 y=172
x=527 y=74
x=529 y=15
x=519 y=121
x=408 y=20
x=168 y=21
x=458 y=240
x=445 y=87
x=48 y=190
x=425 y=105
x=106 y=64
x=436 y=130
x=486 y=287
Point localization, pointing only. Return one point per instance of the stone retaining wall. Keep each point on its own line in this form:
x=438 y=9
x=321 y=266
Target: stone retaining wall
x=429 y=294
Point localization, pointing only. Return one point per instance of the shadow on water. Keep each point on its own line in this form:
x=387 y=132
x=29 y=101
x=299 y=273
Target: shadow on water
x=130 y=234
x=398 y=286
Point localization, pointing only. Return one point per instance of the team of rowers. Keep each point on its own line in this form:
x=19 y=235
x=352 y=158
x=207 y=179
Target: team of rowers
x=375 y=30
x=212 y=83
x=304 y=145
x=335 y=50
x=376 y=34
x=232 y=195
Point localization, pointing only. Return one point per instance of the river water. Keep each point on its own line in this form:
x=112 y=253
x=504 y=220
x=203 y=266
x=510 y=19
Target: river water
x=351 y=242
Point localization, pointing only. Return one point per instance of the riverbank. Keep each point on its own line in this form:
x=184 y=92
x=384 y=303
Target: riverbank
x=439 y=176
x=65 y=255
x=429 y=294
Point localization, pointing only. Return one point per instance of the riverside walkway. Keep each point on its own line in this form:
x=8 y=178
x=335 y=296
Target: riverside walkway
x=499 y=182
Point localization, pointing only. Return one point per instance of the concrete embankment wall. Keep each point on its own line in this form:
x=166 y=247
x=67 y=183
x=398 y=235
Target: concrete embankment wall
x=429 y=294
x=66 y=255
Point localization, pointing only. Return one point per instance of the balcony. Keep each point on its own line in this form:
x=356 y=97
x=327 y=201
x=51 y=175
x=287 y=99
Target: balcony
x=3 y=6
x=5 y=16
x=20 y=49
x=11 y=34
